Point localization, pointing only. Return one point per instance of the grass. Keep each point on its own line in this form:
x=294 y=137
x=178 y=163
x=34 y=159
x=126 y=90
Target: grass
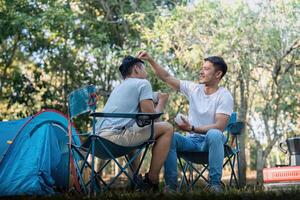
x=120 y=193
x=231 y=195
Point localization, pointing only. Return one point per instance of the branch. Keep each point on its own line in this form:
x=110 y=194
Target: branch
x=270 y=146
x=277 y=67
x=290 y=65
x=252 y=130
x=295 y=45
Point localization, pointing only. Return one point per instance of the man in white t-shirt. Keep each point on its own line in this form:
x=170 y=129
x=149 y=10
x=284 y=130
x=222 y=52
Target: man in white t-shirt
x=210 y=107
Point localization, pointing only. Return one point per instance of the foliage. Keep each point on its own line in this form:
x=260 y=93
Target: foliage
x=49 y=48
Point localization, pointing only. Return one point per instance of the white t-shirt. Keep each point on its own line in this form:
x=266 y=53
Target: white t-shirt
x=203 y=108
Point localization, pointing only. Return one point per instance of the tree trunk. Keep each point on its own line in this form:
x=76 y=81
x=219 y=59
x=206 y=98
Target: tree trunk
x=242 y=111
x=243 y=162
x=242 y=141
x=259 y=167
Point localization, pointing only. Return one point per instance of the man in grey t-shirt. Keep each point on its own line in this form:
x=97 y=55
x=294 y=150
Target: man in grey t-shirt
x=134 y=95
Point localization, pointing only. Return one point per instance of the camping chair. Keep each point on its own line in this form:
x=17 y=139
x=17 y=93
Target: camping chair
x=82 y=101
x=231 y=155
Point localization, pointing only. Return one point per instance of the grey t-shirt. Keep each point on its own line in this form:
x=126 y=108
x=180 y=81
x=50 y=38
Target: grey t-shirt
x=125 y=98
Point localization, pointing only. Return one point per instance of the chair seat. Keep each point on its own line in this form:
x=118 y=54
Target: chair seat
x=115 y=149
x=202 y=157
x=194 y=157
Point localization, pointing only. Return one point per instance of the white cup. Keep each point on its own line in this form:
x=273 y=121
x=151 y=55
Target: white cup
x=178 y=119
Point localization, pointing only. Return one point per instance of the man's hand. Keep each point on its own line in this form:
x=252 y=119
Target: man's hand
x=143 y=55
x=185 y=126
x=159 y=71
x=163 y=97
x=162 y=101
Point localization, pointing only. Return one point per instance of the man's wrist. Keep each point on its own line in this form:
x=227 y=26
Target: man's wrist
x=151 y=60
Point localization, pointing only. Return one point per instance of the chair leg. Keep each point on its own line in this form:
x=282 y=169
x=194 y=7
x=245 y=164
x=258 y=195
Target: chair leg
x=97 y=176
x=142 y=160
x=191 y=177
x=238 y=168
x=123 y=169
x=233 y=172
x=81 y=180
x=140 y=163
x=85 y=158
x=130 y=166
x=184 y=179
x=101 y=169
x=92 y=186
x=86 y=163
x=236 y=179
x=136 y=172
x=200 y=174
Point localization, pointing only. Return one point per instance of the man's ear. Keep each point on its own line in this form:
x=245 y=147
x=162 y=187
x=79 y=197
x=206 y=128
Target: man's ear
x=219 y=74
x=134 y=69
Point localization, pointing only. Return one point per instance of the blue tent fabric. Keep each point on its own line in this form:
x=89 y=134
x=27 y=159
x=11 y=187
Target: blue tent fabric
x=34 y=156
x=8 y=132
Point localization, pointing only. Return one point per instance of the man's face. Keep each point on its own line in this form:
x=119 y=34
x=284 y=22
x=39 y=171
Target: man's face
x=208 y=73
x=141 y=71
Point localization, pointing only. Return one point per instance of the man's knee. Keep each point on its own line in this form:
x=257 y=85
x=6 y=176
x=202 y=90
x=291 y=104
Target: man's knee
x=214 y=135
x=168 y=128
x=175 y=140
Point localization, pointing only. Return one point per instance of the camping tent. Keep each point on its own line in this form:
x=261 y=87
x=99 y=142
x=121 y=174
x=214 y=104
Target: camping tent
x=34 y=155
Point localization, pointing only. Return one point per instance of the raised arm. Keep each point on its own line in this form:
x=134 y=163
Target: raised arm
x=160 y=71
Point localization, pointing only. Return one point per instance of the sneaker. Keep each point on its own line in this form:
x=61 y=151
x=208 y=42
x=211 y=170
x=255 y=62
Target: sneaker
x=214 y=189
x=138 y=181
x=147 y=185
x=168 y=189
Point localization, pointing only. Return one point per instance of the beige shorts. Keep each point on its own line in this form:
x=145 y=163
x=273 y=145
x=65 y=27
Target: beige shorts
x=133 y=136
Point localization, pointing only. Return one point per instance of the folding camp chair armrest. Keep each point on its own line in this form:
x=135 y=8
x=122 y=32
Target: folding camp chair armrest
x=235 y=128
x=142 y=119
x=149 y=116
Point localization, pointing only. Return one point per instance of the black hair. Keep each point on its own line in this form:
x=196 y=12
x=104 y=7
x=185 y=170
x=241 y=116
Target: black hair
x=218 y=63
x=127 y=65
x=125 y=71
